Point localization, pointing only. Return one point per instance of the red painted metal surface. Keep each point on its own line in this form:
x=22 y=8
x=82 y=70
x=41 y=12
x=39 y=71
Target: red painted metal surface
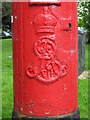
x=45 y=58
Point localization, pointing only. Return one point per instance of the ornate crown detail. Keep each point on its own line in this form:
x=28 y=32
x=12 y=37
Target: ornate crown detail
x=46 y=67
x=45 y=22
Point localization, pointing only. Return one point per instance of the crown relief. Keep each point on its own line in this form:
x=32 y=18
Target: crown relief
x=45 y=22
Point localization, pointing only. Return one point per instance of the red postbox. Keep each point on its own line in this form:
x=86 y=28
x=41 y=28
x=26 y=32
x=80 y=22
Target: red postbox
x=45 y=59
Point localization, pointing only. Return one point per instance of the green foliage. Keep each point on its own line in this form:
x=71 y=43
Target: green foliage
x=7 y=79
x=80 y=23
x=84 y=15
x=87 y=56
x=83 y=98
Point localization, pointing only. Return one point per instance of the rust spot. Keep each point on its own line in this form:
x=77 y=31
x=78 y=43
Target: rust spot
x=20 y=115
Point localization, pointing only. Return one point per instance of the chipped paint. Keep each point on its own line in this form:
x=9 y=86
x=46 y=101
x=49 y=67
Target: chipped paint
x=21 y=109
x=47 y=113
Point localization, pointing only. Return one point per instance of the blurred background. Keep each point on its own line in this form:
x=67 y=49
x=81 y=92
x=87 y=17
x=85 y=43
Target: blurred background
x=5 y=30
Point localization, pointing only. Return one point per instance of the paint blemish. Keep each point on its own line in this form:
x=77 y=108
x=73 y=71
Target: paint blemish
x=47 y=113
x=72 y=50
x=21 y=109
x=31 y=112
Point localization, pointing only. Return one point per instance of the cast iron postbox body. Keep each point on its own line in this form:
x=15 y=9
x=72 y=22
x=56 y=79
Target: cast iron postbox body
x=45 y=59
